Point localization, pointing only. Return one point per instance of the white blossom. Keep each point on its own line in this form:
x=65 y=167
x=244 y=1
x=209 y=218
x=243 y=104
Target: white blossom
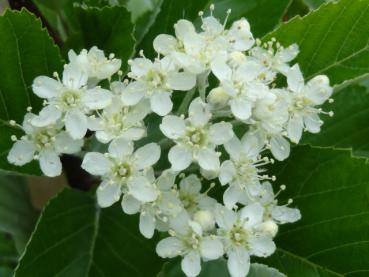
x=241 y=237
x=195 y=137
x=123 y=170
x=156 y=81
x=94 y=63
x=119 y=120
x=69 y=100
x=303 y=100
x=44 y=144
x=244 y=170
x=189 y=241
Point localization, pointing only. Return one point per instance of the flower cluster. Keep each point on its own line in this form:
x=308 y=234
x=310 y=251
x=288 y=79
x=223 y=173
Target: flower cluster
x=198 y=138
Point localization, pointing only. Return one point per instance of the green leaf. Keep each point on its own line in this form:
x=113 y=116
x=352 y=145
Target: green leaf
x=331 y=189
x=26 y=52
x=334 y=40
x=217 y=268
x=108 y=28
x=8 y=252
x=6 y=271
x=73 y=237
x=17 y=215
x=262 y=19
x=349 y=127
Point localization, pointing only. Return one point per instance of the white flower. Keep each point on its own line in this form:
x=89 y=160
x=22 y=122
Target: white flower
x=269 y=118
x=94 y=63
x=45 y=144
x=195 y=137
x=274 y=56
x=156 y=213
x=69 y=100
x=191 y=50
x=191 y=197
x=239 y=35
x=188 y=240
x=156 y=81
x=119 y=120
x=123 y=171
x=242 y=172
x=241 y=238
x=241 y=85
x=281 y=214
x=303 y=100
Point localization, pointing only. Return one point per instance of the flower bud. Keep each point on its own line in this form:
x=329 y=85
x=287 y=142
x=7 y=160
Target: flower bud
x=205 y=219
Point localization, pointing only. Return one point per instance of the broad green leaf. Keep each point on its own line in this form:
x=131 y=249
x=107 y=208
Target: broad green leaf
x=8 y=255
x=217 y=268
x=8 y=252
x=6 y=271
x=349 y=127
x=108 y=28
x=334 y=40
x=331 y=188
x=17 y=215
x=73 y=237
x=262 y=18
x=26 y=52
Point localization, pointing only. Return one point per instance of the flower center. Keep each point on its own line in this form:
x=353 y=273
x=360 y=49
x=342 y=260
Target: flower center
x=238 y=235
x=70 y=98
x=44 y=138
x=155 y=78
x=123 y=171
x=196 y=137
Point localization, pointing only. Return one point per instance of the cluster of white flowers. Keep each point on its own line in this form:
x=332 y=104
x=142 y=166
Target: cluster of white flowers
x=176 y=200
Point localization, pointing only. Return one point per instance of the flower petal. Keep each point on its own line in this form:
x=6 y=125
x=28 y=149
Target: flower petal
x=46 y=87
x=220 y=133
x=130 y=205
x=211 y=249
x=165 y=44
x=147 y=225
x=21 y=153
x=74 y=78
x=47 y=116
x=76 y=124
x=173 y=126
x=65 y=144
x=227 y=172
x=120 y=148
x=97 y=98
x=169 y=247
x=180 y=157
x=262 y=246
x=96 y=163
x=133 y=93
x=190 y=185
x=294 y=128
x=295 y=79
x=50 y=163
x=146 y=155
x=241 y=108
x=252 y=214
x=238 y=262
x=191 y=264
x=208 y=159
x=181 y=80
x=108 y=194
x=280 y=147
x=199 y=112
x=142 y=189
x=161 y=103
